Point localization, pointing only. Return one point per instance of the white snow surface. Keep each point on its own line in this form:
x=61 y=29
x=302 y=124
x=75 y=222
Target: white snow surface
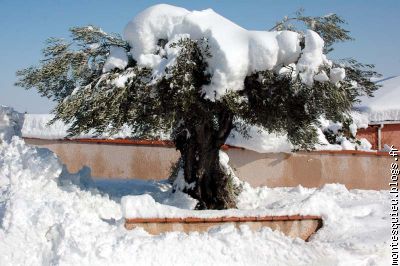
x=51 y=217
x=260 y=141
x=360 y=120
x=36 y=126
x=337 y=74
x=236 y=52
x=116 y=59
x=311 y=58
x=384 y=106
x=10 y=123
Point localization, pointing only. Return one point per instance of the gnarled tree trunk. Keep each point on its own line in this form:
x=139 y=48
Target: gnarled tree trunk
x=206 y=180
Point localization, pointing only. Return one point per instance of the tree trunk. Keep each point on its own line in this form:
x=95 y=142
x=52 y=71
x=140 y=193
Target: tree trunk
x=206 y=180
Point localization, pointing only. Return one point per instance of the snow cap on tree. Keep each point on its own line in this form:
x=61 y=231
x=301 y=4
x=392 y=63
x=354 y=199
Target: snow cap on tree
x=235 y=51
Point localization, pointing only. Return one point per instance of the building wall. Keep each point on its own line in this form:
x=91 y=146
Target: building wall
x=371 y=134
x=390 y=135
x=116 y=160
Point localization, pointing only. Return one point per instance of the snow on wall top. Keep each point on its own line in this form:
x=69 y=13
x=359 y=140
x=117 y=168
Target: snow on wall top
x=36 y=126
x=385 y=105
x=236 y=52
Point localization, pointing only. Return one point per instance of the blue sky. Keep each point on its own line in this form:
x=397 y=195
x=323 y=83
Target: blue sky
x=24 y=25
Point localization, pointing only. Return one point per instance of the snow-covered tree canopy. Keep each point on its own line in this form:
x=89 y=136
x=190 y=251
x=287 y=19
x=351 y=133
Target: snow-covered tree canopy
x=199 y=75
x=102 y=81
x=235 y=52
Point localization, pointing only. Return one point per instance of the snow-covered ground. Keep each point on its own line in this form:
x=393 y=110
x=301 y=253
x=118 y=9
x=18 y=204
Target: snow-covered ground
x=51 y=217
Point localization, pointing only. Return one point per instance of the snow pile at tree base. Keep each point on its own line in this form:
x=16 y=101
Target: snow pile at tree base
x=51 y=217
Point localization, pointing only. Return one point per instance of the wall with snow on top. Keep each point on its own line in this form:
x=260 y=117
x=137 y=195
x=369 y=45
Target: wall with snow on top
x=355 y=169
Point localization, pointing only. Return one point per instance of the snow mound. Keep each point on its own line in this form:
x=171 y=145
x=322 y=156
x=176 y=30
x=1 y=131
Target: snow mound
x=42 y=223
x=384 y=106
x=116 y=59
x=10 y=123
x=337 y=74
x=236 y=52
x=312 y=57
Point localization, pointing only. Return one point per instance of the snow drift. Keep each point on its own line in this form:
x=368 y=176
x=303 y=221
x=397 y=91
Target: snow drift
x=10 y=123
x=51 y=217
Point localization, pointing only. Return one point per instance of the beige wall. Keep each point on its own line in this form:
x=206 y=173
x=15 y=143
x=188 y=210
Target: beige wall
x=311 y=169
x=113 y=160
x=363 y=171
x=302 y=228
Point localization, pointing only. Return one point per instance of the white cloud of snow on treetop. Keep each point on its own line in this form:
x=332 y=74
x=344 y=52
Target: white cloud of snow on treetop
x=236 y=52
x=312 y=57
x=116 y=59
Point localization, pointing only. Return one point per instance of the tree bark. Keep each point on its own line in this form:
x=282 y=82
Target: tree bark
x=207 y=181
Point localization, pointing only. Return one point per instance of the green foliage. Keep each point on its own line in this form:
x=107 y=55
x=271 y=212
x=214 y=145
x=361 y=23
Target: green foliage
x=329 y=27
x=67 y=65
x=358 y=77
x=343 y=132
x=146 y=106
x=285 y=104
x=104 y=107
